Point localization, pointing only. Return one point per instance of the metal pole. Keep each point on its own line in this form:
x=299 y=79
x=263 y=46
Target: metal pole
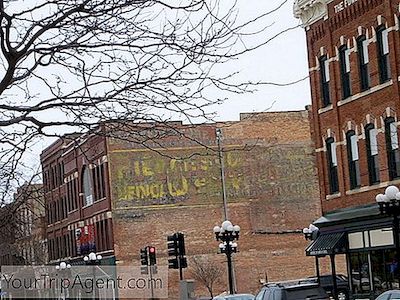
x=151 y=281
x=333 y=266
x=222 y=169
x=317 y=269
x=397 y=243
x=180 y=267
x=94 y=281
x=230 y=274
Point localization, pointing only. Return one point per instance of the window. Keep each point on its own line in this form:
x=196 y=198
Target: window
x=87 y=187
x=352 y=155
x=383 y=53
x=324 y=71
x=363 y=60
x=72 y=194
x=372 y=153
x=360 y=276
x=392 y=148
x=332 y=165
x=344 y=59
x=98 y=177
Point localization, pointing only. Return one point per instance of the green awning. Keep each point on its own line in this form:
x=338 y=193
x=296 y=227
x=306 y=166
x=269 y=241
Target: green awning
x=327 y=244
x=362 y=212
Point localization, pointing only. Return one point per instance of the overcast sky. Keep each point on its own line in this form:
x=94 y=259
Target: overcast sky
x=283 y=60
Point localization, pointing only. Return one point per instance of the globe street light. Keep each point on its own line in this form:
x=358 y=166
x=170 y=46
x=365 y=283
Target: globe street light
x=227 y=234
x=93 y=259
x=311 y=233
x=389 y=205
x=64 y=267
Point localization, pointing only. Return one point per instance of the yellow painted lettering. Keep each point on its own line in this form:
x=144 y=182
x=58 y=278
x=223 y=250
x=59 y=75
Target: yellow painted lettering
x=137 y=168
x=200 y=182
x=154 y=190
x=177 y=191
x=147 y=171
x=144 y=191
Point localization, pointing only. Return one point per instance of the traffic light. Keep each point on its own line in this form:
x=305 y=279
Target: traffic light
x=172 y=244
x=152 y=255
x=173 y=263
x=144 y=261
x=181 y=244
x=176 y=249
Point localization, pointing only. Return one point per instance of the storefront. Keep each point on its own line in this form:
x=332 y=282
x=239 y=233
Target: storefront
x=367 y=239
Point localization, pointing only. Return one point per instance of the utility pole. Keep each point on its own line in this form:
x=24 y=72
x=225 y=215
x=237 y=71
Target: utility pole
x=218 y=133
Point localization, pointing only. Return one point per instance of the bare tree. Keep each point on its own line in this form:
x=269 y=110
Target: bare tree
x=68 y=65
x=206 y=272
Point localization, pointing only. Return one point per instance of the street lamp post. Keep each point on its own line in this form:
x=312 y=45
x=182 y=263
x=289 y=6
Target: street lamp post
x=311 y=233
x=93 y=259
x=64 y=268
x=228 y=234
x=218 y=133
x=389 y=204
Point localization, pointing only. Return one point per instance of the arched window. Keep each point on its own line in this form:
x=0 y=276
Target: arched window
x=372 y=153
x=344 y=59
x=353 y=158
x=324 y=76
x=392 y=148
x=383 y=53
x=332 y=165
x=87 y=187
x=363 y=60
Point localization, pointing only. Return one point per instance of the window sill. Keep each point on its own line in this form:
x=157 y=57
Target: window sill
x=332 y=196
x=99 y=200
x=365 y=93
x=325 y=109
x=87 y=205
x=375 y=186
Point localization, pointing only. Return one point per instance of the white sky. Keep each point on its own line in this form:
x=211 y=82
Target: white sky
x=283 y=60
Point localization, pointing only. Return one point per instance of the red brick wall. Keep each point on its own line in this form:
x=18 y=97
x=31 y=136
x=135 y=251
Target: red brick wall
x=272 y=193
x=327 y=33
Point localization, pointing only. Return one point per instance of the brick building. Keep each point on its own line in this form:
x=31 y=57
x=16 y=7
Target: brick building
x=354 y=67
x=22 y=228
x=135 y=186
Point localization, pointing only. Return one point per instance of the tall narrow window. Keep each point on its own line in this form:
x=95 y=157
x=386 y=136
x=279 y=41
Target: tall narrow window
x=383 y=53
x=372 y=153
x=363 y=60
x=352 y=155
x=392 y=148
x=344 y=58
x=332 y=165
x=324 y=72
x=87 y=187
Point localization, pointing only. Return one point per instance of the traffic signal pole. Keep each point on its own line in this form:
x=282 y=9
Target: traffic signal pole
x=151 y=282
x=180 y=270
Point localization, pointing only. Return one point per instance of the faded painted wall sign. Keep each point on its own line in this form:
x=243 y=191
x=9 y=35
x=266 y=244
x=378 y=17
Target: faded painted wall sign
x=147 y=178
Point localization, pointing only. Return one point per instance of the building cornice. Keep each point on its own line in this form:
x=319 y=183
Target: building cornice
x=310 y=11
